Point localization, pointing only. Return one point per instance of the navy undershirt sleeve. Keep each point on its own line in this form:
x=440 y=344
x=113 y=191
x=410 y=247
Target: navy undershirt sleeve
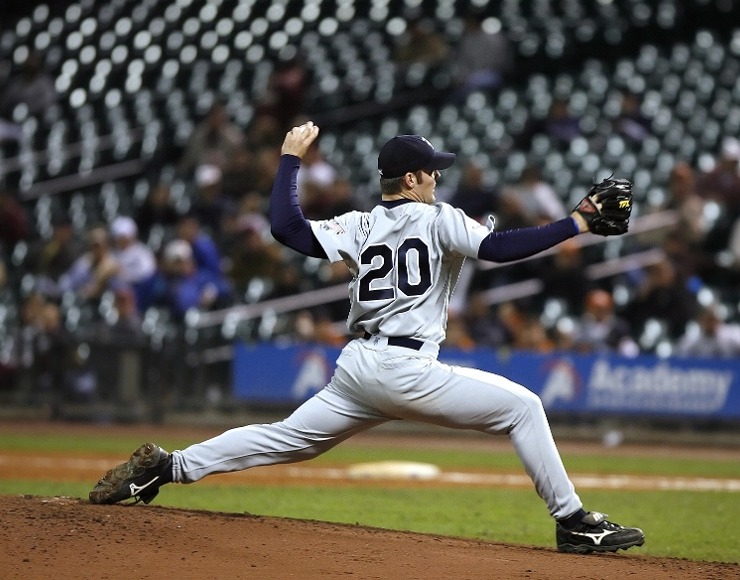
x=288 y=224
x=510 y=245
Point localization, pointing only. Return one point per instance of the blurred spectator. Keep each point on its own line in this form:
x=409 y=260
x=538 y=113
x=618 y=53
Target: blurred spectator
x=33 y=87
x=205 y=250
x=240 y=173
x=563 y=275
x=711 y=336
x=264 y=131
x=334 y=199
x=530 y=202
x=137 y=262
x=473 y=196
x=484 y=326
x=326 y=331
x=457 y=334
x=483 y=60
x=662 y=294
x=94 y=271
x=183 y=286
x=720 y=187
x=599 y=329
x=49 y=259
x=315 y=178
x=268 y=159
x=683 y=197
x=42 y=347
x=213 y=142
x=722 y=182
x=253 y=254
x=250 y=208
x=685 y=242
x=341 y=197
x=157 y=211
x=14 y=226
x=315 y=326
x=560 y=125
x=531 y=335
x=420 y=43
x=210 y=205
x=284 y=98
x=521 y=329
x=631 y=123
x=125 y=325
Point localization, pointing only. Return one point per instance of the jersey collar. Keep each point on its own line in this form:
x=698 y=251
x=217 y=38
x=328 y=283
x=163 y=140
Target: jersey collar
x=395 y=203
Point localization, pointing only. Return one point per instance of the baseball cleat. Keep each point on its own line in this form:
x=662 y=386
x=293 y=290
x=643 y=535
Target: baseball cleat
x=595 y=534
x=148 y=468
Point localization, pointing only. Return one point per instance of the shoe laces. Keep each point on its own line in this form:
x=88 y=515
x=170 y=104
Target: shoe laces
x=598 y=520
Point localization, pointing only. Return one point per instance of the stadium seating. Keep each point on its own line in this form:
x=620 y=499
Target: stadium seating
x=134 y=76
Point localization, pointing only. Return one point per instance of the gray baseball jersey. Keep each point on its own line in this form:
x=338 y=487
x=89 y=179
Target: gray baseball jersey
x=405 y=259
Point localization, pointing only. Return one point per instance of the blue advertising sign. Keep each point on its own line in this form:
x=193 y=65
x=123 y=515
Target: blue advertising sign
x=597 y=385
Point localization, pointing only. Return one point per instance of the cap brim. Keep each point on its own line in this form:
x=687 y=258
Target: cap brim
x=441 y=160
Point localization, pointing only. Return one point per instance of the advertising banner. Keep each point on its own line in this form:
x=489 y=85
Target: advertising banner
x=597 y=385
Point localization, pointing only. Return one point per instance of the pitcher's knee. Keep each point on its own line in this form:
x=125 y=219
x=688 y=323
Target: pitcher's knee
x=530 y=405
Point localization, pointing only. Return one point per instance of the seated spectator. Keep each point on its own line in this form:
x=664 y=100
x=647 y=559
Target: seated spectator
x=559 y=125
x=156 y=211
x=210 y=205
x=721 y=185
x=213 y=142
x=683 y=197
x=93 y=272
x=264 y=131
x=722 y=182
x=458 y=335
x=43 y=344
x=563 y=275
x=128 y=319
x=14 y=226
x=182 y=285
x=250 y=208
x=253 y=254
x=518 y=329
x=284 y=97
x=661 y=294
x=267 y=159
x=600 y=330
x=711 y=336
x=49 y=258
x=473 y=196
x=486 y=328
x=137 y=262
x=206 y=253
x=483 y=60
x=240 y=173
x=631 y=123
x=315 y=177
x=334 y=199
x=529 y=202
x=34 y=88
x=420 y=43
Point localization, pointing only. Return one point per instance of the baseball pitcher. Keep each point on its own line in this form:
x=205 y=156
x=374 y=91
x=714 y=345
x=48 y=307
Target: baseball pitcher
x=405 y=256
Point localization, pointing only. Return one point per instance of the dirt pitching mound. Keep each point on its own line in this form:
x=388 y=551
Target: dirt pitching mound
x=61 y=537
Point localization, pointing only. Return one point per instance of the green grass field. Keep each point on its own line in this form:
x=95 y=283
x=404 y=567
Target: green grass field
x=694 y=525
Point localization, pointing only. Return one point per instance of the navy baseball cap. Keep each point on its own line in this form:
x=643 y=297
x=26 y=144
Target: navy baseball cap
x=409 y=153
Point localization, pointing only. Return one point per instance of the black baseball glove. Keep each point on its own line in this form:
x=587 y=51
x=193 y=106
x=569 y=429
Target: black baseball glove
x=607 y=207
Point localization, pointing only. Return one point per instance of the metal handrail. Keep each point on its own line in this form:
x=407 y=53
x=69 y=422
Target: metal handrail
x=312 y=298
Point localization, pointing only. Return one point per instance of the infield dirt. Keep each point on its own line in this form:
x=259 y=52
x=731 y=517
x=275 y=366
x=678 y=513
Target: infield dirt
x=61 y=537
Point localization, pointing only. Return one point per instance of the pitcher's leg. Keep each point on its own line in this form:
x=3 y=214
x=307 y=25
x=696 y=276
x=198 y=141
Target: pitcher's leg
x=466 y=398
x=315 y=427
